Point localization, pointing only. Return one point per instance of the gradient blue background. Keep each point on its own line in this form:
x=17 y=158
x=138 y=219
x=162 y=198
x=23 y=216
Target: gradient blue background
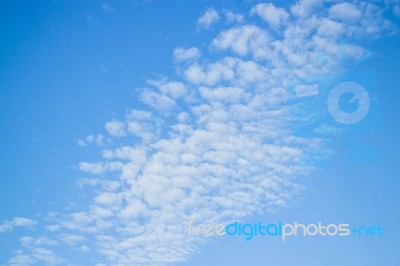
x=66 y=67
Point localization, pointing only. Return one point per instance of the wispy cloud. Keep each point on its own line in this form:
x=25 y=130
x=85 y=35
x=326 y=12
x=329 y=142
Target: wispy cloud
x=116 y=128
x=232 y=17
x=275 y=16
x=209 y=18
x=107 y=8
x=9 y=225
x=182 y=54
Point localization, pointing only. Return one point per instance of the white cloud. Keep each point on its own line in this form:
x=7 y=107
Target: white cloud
x=306 y=7
x=99 y=168
x=158 y=101
x=132 y=210
x=182 y=54
x=330 y=29
x=242 y=39
x=275 y=16
x=116 y=128
x=172 y=89
x=328 y=130
x=142 y=124
x=21 y=260
x=233 y=17
x=80 y=143
x=37 y=253
x=39 y=241
x=306 y=90
x=251 y=72
x=142 y=130
x=71 y=239
x=209 y=18
x=228 y=69
x=10 y=225
x=346 y=12
x=108 y=199
x=98 y=139
x=219 y=71
x=194 y=74
x=373 y=21
x=21 y=221
x=53 y=227
x=46 y=256
x=223 y=94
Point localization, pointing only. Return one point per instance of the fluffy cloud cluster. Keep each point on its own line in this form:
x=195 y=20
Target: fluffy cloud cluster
x=217 y=145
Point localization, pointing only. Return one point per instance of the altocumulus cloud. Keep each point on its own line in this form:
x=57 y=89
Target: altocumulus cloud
x=229 y=151
x=16 y=222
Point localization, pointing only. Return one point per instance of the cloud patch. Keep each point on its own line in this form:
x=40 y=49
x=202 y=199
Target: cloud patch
x=273 y=15
x=10 y=225
x=209 y=18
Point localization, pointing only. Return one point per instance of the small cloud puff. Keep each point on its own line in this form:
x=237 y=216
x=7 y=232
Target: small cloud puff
x=209 y=18
x=107 y=8
x=9 y=225
x=182 y=54
x=116 y=128
x=233 y=17
x=273 y=15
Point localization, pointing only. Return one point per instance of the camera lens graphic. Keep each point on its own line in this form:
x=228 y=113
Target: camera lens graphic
x=359 y=93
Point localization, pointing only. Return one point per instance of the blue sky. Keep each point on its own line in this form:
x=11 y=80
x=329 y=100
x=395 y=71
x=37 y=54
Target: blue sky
x=122 y=121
